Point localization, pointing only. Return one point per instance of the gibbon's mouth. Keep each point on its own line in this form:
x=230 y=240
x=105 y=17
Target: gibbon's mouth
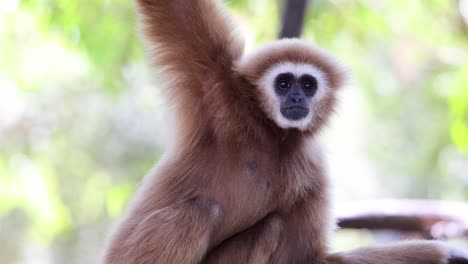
x=294 y=112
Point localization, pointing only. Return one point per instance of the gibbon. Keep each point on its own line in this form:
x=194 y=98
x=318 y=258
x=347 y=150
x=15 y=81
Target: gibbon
x=244 y=181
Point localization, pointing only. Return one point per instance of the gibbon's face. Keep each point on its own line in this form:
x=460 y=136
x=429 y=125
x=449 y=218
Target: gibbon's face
x=292 y=91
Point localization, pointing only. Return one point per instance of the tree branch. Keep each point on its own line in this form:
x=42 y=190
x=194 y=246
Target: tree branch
x=293 y=18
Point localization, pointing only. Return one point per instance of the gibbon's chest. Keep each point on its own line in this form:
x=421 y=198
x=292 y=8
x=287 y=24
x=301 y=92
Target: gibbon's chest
x=261 y=177
x=251 y=172
x=285 y=176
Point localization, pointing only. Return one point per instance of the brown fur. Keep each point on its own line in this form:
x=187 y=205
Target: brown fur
x=235 y=188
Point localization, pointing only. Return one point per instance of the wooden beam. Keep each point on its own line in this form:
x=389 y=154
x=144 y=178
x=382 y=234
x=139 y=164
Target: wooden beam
x=431 y=219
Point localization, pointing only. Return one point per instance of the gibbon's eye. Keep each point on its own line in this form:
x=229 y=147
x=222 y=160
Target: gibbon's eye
x=309 y=84
x=283 y=82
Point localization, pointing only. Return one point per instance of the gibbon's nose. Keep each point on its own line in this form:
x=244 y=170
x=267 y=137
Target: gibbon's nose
x=296 y=95
x=296 y=99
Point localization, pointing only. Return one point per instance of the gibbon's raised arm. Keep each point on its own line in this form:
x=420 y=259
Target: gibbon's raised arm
x=194 y=41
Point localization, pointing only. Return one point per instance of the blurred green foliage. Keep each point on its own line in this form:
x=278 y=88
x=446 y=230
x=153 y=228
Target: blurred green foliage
x=80 y=123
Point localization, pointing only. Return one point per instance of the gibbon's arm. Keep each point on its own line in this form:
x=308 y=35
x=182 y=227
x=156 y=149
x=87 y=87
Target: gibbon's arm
x=256 y=245
x=195 y=43
x=175 y=234
x=411 y=252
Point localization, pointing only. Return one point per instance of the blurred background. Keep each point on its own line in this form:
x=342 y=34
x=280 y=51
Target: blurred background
x=82 y=120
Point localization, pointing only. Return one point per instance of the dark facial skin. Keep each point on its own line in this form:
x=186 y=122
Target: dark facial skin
x=295 y=94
